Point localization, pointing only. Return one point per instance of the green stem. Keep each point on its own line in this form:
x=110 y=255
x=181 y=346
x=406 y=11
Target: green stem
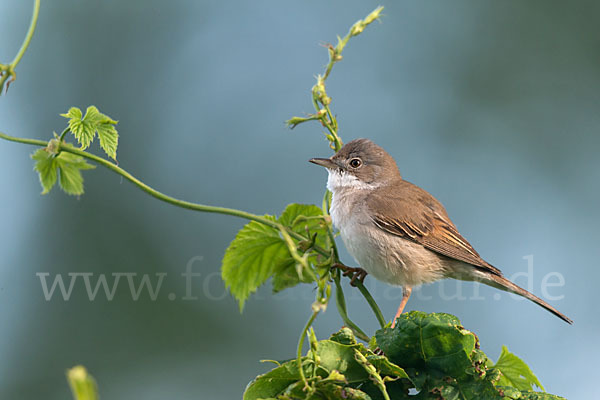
x=301 y=346
x=365 y=292
x=161 y=196
x=34 y=142
x=63 y=133
x=32 y=25
x=340 y=302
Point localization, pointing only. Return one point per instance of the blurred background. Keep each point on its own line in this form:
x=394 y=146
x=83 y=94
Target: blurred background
x=491 y=106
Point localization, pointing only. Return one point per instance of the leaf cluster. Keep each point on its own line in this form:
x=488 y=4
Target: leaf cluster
x=66 y=166
x=260 y=252
x=425 y=357
x=54 y=165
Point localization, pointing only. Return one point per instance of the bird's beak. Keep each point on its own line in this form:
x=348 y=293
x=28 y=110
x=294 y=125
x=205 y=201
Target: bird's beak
x=324 y=162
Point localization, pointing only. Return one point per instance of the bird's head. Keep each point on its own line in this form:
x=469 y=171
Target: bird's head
x=360 y=164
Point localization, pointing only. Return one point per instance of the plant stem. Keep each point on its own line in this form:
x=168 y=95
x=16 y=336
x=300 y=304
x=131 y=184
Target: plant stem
x=365 y=292
x=301 y=346
x=340 y=302
x=8 y=71
x=32 y=25
x=161 y=196
x=34 y=142
x=63 y=133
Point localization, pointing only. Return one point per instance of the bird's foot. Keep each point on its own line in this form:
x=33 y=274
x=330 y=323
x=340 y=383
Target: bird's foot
x=357 y=274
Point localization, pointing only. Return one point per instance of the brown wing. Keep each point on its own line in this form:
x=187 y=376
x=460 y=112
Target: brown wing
x=413 y=214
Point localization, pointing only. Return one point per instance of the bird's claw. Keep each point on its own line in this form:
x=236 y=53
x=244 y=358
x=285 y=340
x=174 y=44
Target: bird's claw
x=356 y=274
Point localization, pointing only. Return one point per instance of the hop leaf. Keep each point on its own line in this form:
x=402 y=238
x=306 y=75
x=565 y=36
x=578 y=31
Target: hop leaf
x=84 y=128
x=515 y=372
x=65 y=166
x=45 y=165
x=258 y=253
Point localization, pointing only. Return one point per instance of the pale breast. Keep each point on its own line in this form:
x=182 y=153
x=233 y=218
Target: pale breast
x=387 y=257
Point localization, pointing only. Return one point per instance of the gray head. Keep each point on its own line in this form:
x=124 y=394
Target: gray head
x=360 y=164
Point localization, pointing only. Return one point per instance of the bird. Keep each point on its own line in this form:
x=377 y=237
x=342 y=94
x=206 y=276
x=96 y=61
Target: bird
x=398 y=232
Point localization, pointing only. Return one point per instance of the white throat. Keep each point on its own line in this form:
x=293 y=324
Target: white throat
x=339 y=180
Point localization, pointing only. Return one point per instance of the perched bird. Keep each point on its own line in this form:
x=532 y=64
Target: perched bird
x=398 y=232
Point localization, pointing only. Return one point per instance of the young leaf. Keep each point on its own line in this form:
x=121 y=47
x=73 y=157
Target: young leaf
x=46 y=168
x=109 y=138
x=70 y=167
x=258 y=253
x=251 y=258
x=65 y=165
x=85 y=128
x=80 y=126
x=515 y=372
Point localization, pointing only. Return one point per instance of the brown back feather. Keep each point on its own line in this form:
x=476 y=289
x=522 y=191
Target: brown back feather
x=407 y=211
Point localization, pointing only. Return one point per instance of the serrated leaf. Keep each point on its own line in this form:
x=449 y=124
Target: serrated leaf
x=258 y=253
x=65 y=166
x=251 y=258
x=69 y=167
x=46 y=168
x=305 y=220
x=84 y=128
x=423 y=340
x=109 y=138
x=515 y=372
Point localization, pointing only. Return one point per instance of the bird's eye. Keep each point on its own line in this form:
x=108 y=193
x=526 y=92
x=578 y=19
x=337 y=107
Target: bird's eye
x=355 y=162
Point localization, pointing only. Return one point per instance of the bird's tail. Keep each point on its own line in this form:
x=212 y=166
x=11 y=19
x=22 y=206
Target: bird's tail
x=502 y=283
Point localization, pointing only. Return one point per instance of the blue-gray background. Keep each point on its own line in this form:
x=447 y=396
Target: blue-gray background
x=490 y=105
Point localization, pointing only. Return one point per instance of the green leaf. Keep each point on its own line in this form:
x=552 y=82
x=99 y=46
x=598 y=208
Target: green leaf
x=251 y=259
x=85 y=129
x=515 y=372
x=70 y=167
x=423 y=340
x=273 y=382
x=258 y=253
x=344 y=336
x=286 y=276
x=81 y=127
x=514 y=394
x=65 y=165
x=82 y=384
x=109 y=138
x=306 y=220
x=385 y=367
x=46 y=168
x=340 y=357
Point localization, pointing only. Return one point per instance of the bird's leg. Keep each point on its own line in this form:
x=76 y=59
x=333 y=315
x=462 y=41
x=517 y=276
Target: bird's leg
x=358 y=274
x=406 y=291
